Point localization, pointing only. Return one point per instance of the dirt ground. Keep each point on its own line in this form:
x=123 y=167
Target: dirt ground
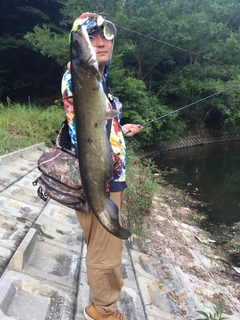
x=197 y=265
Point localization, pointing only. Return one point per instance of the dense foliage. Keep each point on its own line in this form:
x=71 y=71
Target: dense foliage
x=167 y=54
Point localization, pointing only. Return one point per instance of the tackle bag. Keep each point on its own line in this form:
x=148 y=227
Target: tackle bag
x=60 y=177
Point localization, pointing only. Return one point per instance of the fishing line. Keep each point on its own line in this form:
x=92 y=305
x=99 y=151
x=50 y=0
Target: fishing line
x=189 y=105
x=176 y=47
x=191 y=52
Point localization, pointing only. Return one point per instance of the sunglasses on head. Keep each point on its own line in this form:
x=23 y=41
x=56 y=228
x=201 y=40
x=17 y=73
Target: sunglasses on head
x=97 y=22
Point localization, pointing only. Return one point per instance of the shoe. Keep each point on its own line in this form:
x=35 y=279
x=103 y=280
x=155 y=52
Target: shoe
x=91 y=313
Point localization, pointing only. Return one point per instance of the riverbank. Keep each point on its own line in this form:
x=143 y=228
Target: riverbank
x=191 y=139
x=191 y=262
x=179 y=274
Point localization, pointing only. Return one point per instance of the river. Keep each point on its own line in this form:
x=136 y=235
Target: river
x=209 y=173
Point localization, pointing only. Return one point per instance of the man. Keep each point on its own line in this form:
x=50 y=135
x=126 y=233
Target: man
x=104 y=251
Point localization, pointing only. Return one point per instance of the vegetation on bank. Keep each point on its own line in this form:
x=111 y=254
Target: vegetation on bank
x=142 y=186
x=24 y=125
x=217 y=315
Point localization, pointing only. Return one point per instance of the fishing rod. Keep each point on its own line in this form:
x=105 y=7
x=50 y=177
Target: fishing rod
x=191 y=52
x=184 y=107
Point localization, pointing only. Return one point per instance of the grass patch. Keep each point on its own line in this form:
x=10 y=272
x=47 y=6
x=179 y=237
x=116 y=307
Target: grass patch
x=22 y=126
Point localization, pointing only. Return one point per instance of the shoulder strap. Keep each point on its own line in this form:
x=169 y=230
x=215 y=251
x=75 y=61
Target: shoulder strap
x=63 y=139
x=109 y=126
x=110 y=98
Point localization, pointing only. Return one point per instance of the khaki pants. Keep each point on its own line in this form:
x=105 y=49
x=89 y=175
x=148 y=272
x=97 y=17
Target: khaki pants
x=103 y=260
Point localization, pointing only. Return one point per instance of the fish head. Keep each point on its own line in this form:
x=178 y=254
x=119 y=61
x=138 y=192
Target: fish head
x=82 y=53
x=96 y=22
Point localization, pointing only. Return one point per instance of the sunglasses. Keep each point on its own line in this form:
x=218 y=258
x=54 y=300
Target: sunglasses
x=96 y=22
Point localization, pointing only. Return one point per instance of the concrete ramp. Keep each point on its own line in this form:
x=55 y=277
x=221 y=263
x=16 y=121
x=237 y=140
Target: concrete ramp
x=42 y=254
x=42 y=259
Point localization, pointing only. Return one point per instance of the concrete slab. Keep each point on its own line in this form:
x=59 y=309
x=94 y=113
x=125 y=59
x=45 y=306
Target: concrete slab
x=32 y=152
x=29 y=152
x=26 y=182
x=26 y=298
x=23 y=194
x=83 y=258
x=9 y=175
x=22 y=165
x=15 y=165
x=11 y=231
x=54 y=265
x=18 y=210
x=42 y=260
x=5 y=159
x=68 y=237
x=83 y=296
x=62 y=214
x=152 y=291
x=33 y=307
x=5 y=256
x=136 y=257
x=48 y=268
x=33 y=174
x=129 y=302
x=24 y=252
x=127 y=271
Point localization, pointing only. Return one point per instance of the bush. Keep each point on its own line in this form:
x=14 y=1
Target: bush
x=142 y=185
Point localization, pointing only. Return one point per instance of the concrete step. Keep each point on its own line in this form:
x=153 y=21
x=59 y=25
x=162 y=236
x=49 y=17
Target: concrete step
x=42 y=259
x=42 y=254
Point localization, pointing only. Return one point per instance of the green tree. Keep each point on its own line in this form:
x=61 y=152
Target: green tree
x=23 y=72
x=168 y=54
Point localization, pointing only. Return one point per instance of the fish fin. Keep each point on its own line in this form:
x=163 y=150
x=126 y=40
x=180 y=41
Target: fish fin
x=112 y=113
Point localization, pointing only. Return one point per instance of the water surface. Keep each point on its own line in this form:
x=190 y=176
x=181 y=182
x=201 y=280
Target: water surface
x=208 y=173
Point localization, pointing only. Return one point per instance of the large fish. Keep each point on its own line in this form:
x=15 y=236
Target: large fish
x=93 y=147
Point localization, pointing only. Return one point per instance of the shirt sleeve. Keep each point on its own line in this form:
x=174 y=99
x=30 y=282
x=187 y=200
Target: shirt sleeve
x=67 y=96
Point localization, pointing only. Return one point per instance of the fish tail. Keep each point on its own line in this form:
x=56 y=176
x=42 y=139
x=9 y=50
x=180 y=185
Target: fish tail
x=122 y=233
x=109 y=219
